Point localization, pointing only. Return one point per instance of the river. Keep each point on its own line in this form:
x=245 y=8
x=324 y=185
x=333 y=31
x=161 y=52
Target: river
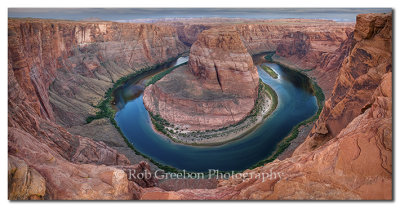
x=295 y=104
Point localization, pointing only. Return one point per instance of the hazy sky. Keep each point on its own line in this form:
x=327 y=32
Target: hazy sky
x=338 y=14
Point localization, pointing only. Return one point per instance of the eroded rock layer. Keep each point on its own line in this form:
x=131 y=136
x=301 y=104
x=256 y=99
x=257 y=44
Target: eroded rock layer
x=299 y=43
x=356 y=163
x=361 y=72
x=221 y=62
x=79 y=61
x=73 y=167
x=57 y=72
x=355 y=160
x=218 y=87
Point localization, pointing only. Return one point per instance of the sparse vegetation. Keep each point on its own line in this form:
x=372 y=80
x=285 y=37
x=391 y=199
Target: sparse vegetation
x=106 y=111
x=270 y=71
x=164 y=127
x=274 y=97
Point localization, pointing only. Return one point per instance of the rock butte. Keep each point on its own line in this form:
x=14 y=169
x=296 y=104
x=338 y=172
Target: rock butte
x=218 y=88
x=56 y=69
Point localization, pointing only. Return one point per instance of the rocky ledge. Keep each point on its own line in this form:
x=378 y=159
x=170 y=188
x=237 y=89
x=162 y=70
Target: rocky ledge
x=361 y=72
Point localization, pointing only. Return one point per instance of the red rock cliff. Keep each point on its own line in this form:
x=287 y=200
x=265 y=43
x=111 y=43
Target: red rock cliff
x=218 y=88
x=90 y=55
x=354 y=161
x=220 y=60
x=299 y=43
x=69 y=164
x=54 y=65
x=56 y=69
x=361 y=72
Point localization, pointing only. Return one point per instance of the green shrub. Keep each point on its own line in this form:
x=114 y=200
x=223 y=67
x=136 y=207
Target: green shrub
x=270 y=71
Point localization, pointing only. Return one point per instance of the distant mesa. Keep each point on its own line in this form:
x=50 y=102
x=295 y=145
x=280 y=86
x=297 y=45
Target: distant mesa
x=93 y=19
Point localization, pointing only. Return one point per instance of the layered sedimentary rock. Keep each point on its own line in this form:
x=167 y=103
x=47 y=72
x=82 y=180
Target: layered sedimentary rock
x=221 y=62
x=356 y=163
x=319 y=52
x=23 y=181
x=57 y=67
x=57 y=72
x=328 y=65
x=188 y=33
x=361 y=72
x=323 y=35
x=80 y=60
x=299 y=43
x=217 y=88
x=73 y=167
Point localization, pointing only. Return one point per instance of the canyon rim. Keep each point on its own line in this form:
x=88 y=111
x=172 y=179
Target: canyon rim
x=211 y=108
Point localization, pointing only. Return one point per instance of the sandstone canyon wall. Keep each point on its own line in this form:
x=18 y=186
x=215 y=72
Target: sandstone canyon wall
x=188 y=33
x=356 y=162
x=217 y=89
x=361 y=72
x=79 y=61
x=299 y=43
x=57 y=72
x=220 y=60
x=73 y=167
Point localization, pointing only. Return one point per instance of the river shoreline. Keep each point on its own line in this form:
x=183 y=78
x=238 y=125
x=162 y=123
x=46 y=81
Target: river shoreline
x=162 y=166
x=266 y=103
x=298 y=132
x=107 y=110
